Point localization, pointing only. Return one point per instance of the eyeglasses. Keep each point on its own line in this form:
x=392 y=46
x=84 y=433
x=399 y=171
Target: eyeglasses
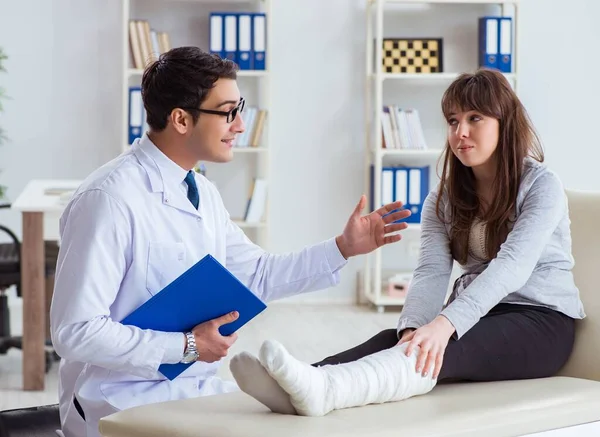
x=231 y=115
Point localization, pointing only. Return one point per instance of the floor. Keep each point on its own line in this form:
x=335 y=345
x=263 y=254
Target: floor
x=309 y=332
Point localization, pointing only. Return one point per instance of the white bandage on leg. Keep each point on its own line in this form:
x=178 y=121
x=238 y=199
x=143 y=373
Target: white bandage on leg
x=385 y=376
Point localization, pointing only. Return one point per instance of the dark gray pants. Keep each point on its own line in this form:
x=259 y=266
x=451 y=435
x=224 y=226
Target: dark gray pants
x=510 y=342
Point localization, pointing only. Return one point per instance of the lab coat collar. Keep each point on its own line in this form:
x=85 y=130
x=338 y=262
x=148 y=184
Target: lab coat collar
x=165 y=175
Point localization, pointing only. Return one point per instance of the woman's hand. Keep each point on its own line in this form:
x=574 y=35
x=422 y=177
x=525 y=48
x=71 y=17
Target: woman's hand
x=432 y=340
x=406 y=333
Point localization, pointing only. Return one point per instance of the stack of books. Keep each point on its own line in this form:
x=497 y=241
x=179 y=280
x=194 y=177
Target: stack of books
x=402 y=128
x=254 y=119
x=146 y=43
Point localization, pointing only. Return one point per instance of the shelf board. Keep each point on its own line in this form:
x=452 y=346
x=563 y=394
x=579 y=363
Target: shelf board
x=252 y=73
x=384 y=300
x=213 y=1
x=249 y=149
x=482 y=2
x=425 y=153
x=425 y=76
x=244 y=224
x=132 y=72
x=135 y=71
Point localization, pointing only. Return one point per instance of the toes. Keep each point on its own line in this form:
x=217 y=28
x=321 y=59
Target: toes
x=239 y=362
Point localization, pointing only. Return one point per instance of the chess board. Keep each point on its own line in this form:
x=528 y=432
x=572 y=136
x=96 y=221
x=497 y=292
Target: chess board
x=412 y=55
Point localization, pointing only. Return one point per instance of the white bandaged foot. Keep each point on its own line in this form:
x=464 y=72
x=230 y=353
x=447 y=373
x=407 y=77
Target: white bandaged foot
x=253 y=379
x=385 y=376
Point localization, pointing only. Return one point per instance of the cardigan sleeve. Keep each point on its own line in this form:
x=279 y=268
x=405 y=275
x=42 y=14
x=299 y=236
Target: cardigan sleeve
x=429 y=285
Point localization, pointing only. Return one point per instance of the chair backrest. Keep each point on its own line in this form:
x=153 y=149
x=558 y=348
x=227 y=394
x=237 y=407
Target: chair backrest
x=42 y=421
x=584 y=211
x=10 y=261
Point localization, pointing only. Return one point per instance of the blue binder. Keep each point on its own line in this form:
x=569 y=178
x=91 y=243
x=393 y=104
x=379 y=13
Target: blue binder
x=244 y=42
x=205 y=291
x=217 y=34
x=505 y=45
x=412 y=187
x=259 y=40
x=136 y=114
x=387 y=187
x=489 y=34
x=230 y=39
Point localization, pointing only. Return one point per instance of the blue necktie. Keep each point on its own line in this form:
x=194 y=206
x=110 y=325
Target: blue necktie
x=192 y=193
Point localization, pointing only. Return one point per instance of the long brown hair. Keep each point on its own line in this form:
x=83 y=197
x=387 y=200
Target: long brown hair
x=488 y=92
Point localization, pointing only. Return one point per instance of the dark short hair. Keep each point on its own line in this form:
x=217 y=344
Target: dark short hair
x=181 y=77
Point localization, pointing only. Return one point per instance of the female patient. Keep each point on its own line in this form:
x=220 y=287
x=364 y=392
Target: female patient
x=503 y=216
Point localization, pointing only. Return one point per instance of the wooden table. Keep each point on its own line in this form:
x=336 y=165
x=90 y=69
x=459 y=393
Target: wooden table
x=40 y=196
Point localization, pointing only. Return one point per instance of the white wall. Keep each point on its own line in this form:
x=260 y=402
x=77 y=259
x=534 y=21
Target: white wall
x=63 y=83
x=64 y=77
x=563 y=97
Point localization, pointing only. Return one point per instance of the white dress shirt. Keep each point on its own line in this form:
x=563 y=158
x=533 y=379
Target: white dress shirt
x=128 y=231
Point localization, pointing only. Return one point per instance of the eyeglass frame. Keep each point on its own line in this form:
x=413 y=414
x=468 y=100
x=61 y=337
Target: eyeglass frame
x=238 y=108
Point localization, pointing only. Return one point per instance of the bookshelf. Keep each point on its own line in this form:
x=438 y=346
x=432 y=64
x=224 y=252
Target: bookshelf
x=456 y=23
x=187 y=23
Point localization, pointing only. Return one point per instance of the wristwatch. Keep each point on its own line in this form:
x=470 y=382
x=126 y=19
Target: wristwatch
x=191 y=353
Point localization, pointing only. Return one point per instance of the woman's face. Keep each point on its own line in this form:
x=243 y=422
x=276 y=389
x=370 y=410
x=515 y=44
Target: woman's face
x=473 y=137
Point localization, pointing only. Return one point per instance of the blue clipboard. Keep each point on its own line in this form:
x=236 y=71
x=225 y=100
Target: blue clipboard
x=205 y=291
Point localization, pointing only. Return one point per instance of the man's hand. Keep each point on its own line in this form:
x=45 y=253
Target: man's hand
x=211 y=345
x=363 y=234
x=432 y=340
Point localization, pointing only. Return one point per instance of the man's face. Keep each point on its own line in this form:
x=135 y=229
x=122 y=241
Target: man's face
x=212 y=138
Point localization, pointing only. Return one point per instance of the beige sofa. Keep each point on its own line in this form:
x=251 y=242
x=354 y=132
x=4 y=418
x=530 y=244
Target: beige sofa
x=512 y=408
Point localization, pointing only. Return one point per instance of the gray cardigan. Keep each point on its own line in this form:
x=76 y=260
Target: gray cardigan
x=532 y=267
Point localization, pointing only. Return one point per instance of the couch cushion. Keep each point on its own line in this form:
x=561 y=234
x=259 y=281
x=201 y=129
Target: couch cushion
x=466 y=409
x=584 y=210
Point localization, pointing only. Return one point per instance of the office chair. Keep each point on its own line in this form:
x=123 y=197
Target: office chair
x=42 y=421
x=10 y=274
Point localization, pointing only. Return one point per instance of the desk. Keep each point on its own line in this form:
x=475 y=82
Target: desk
x=33 y=202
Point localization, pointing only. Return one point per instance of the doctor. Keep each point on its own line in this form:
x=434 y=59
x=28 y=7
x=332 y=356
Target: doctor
x=141 y=220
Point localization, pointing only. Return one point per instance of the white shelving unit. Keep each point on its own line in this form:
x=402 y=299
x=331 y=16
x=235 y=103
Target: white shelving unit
x=420 y=86
x=187 y=22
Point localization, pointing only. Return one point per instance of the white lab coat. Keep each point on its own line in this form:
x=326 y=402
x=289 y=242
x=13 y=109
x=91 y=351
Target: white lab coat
x=127 y=233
